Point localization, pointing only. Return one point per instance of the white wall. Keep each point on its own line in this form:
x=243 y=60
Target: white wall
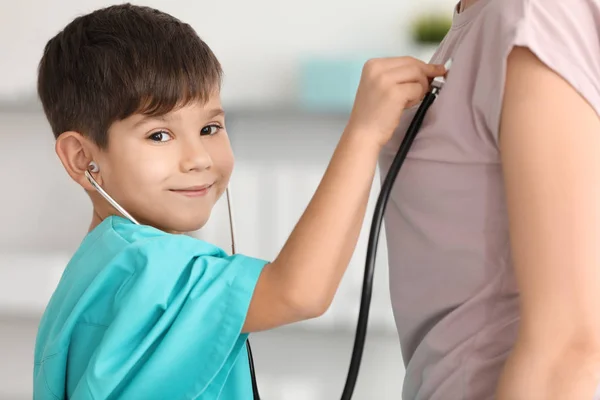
x=259 y=42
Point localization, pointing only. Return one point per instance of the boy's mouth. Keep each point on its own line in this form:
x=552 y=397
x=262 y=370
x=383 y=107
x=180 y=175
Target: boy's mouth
x=194 y=191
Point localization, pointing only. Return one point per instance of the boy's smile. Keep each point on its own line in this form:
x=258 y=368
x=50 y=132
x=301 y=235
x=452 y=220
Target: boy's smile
x=195 y=191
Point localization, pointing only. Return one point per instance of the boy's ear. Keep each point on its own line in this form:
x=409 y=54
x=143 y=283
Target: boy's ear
x=75 y=153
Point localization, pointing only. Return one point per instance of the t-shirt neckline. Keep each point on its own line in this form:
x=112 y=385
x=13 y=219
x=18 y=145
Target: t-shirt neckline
x=461 y=18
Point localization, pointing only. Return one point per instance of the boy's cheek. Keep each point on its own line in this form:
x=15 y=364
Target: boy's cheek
x=149 y=172
x=227 y=163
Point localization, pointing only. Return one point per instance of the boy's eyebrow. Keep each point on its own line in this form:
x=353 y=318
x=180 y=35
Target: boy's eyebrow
x=147 y=118
x=215 y=112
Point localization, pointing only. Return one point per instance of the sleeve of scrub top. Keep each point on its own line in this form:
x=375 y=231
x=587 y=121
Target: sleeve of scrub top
x=564 y=35
x=178 y=321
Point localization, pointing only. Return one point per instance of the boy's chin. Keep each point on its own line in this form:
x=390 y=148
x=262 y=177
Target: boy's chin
x=186 y=224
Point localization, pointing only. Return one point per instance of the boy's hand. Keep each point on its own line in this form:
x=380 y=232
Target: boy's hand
x=387 y=87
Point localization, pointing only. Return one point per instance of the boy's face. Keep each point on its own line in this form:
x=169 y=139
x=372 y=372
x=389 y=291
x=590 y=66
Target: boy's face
x=169 y=171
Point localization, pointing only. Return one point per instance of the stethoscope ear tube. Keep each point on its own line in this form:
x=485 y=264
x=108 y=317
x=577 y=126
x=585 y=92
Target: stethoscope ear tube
x=107 y=197
x=255 y=393
x=231 y=219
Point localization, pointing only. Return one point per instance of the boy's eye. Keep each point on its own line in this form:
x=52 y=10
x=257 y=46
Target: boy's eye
x=160 y=136
x=210 y=130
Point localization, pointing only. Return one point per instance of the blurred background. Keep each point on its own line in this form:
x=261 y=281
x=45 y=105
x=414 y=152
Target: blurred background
x=291 y=71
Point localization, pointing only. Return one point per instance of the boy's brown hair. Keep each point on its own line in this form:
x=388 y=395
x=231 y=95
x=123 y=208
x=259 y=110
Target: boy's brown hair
x=118 y=61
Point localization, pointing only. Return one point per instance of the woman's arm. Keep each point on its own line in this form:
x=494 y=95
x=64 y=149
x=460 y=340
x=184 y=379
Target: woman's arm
x=550 y=146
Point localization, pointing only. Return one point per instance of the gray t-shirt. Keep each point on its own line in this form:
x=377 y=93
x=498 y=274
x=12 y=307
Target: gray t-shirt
x=451 y=279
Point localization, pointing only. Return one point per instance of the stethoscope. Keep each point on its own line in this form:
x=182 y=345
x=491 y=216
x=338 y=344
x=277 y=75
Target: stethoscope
x=382 y=200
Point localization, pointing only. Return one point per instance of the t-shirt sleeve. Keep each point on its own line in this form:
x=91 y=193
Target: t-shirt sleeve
x=177 y=330
x=564 y=35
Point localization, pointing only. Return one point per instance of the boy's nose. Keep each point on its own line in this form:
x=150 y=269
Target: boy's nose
x=195 y=157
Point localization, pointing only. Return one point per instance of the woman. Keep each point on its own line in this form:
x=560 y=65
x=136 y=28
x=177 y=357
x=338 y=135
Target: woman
x=494 y=220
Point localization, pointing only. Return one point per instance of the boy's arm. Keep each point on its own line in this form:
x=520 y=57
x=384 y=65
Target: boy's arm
x=301 y=282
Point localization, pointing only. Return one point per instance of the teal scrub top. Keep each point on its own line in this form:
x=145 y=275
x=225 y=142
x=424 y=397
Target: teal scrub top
x=143 y=314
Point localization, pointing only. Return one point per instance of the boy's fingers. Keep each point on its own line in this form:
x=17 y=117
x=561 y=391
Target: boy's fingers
x=431 y=70
x=409 y=74
x=434 y=70
x=388 y=63
x=414 y=94
x=381 y=65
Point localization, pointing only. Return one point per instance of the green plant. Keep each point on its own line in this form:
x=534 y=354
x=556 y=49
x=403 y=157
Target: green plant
x=431 y=28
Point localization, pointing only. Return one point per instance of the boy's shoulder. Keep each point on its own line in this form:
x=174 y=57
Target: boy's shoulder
x=117 y=251
x=119 y=259
x=117 y=236
x=118 y=256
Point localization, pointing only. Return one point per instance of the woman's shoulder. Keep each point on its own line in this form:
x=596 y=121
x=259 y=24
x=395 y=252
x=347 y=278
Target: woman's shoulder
x=563 y=35
x=570 y=15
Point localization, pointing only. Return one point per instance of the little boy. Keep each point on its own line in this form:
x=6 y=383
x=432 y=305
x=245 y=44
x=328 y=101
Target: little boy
x=143 y=311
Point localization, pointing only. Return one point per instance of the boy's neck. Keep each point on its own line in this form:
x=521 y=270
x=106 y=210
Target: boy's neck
x=96 y=220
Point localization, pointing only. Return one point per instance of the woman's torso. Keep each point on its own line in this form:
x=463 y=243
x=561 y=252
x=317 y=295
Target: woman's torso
x=453 y=289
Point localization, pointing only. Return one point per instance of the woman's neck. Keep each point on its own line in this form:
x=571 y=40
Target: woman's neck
x=464 y=4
